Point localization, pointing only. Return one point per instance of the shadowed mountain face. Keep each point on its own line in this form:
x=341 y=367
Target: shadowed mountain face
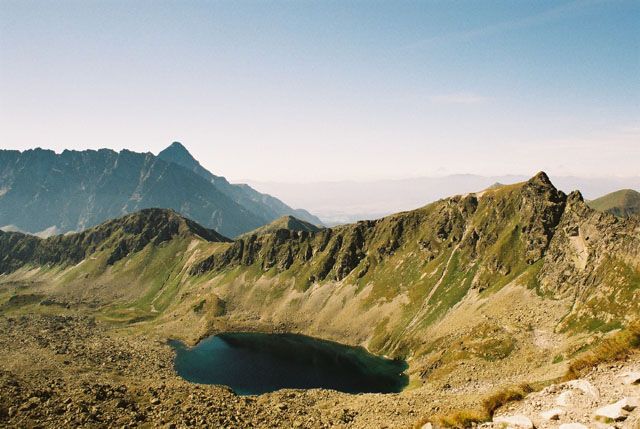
x=261 y=205
x=41 y=191
x=623 y=203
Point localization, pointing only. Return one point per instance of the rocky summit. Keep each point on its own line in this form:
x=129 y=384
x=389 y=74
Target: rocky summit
x=476 y=292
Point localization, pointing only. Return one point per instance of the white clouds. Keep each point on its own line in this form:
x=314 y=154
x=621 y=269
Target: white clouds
x=458 y=98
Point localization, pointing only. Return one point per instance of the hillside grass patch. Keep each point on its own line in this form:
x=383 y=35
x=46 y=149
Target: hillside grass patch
x=612 y=349
x=467 y=418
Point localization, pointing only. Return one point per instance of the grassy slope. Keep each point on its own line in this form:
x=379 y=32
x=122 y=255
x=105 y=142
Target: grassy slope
x=623 y=203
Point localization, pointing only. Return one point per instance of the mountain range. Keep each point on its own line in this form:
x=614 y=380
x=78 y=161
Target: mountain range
x=475 y=291
x=403 y=275
x=47 y=193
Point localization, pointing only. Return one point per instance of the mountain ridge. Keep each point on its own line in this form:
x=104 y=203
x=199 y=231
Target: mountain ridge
x=623 y=203
x=286 y=222
x=41 y=191
x=509 y=281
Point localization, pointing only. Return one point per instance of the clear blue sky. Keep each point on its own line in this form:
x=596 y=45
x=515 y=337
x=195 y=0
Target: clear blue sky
x=302 y=90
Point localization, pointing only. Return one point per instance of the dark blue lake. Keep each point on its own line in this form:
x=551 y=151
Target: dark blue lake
x=252 y=364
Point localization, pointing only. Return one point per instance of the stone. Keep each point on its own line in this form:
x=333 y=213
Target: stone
x=630 y=404
x=586 y=387
x=517 y=421
x=564 y=399
x=630 y=377
x=427 y=426
x=553 y=414
x=573 y=426
x=613 y=412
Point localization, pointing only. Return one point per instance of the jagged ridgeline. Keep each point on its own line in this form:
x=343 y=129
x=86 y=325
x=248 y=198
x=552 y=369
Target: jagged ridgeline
x=394 y=285
x=45 y=193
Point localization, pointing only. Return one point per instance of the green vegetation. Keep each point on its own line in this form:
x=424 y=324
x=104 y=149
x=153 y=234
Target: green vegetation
x=623 y=203
x=285 y=222
x=198 y=307
x=615 y=348
x=613 y=300
x=468 y=418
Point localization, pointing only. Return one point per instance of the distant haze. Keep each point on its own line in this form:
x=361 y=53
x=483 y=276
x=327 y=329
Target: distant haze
x=348 y=201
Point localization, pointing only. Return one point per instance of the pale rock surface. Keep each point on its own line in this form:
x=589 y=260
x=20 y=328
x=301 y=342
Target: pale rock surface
x=518 y=421
x=565 y=399
x=612 y=411
x=553 y=414
x=618 y=400
x=630 y=377
x=584 y=386
x=630 y=404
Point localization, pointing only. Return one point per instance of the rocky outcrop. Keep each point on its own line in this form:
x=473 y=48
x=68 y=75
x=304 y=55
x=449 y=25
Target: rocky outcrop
x=601 y=397
x=594 y=257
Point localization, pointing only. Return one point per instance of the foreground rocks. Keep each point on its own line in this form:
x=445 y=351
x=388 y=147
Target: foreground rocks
x=608 y=397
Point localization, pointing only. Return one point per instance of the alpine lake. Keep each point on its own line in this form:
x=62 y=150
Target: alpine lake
x=252 y=364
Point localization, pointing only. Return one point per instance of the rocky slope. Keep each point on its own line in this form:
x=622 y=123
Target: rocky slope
x=121 y=237
x=608 y=396
x=48 y=193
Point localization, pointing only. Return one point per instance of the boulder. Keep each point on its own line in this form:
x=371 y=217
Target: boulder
x=564 y=399
x=586 y=388
x=553 y=414
x=518 y=421
x=629 y=404
x=630 y=377
x=613 y=412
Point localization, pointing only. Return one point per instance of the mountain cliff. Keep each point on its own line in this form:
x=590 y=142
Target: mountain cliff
x=48 y=193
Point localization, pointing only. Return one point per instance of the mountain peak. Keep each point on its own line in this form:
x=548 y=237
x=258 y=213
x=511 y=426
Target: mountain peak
x=541 y=179
x=284 y=222
x=178 y=146
x=178 y=154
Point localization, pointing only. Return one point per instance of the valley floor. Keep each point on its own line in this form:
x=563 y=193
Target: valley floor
x=72 y=371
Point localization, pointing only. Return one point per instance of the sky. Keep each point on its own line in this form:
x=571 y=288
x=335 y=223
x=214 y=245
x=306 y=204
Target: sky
x=299 y=91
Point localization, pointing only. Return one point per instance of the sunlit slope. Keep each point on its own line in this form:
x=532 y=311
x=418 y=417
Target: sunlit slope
x=478 y=276
x=623 y=203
